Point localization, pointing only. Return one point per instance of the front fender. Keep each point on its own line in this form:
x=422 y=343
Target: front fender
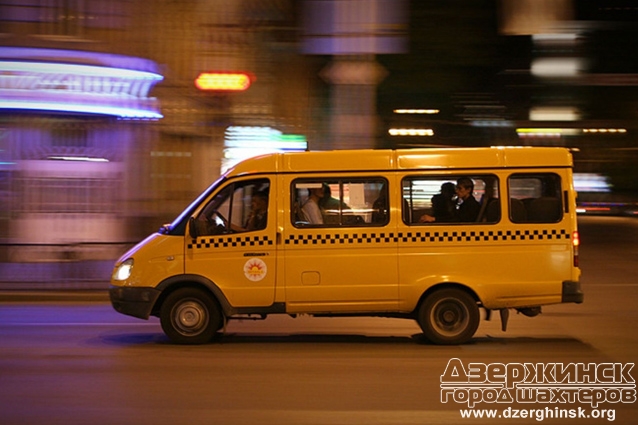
x=180 y=281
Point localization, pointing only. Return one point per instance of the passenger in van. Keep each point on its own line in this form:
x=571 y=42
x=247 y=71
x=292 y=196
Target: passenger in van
x=380 y=207
x=444 y=204
x=310 y=209
x=467 y=209
x=331 y=206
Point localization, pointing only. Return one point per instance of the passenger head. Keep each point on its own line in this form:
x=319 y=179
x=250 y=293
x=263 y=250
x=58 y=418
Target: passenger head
x=448 y=189
x=316 y=192
x=327 y=193
x=464 y=187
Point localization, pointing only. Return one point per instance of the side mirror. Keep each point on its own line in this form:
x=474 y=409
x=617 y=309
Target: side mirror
x=192 y=228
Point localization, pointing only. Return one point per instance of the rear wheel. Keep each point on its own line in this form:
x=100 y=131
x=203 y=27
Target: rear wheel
x=190 y=316
x=449 y=316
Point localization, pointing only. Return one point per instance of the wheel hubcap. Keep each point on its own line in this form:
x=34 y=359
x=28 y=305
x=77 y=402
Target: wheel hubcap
x=449 y=317
x=190 y=317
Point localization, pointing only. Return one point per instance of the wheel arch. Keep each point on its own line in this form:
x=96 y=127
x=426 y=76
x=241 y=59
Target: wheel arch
x=172 y=284
x=446 y=285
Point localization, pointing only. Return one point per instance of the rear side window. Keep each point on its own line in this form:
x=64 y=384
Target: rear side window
x=451 y=199
x=535 y=198
x=334 y=202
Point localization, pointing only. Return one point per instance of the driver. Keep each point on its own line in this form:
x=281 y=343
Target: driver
x=258 y=217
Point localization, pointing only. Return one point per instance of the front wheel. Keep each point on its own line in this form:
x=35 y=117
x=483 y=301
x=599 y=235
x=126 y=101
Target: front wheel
x=449 y=316
x=190 y=316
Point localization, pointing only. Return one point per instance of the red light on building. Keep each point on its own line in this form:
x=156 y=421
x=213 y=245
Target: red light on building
x=223 y=81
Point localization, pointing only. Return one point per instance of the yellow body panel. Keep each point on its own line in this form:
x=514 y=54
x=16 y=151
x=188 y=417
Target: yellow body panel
x=157 y=258
x=404 y=159
x=245 y=272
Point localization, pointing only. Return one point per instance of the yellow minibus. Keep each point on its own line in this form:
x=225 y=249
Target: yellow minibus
x=432 y=235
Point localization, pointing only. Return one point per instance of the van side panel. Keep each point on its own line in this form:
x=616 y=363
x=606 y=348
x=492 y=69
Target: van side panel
x=339 y=269
x=503 y=269
x=507 y=264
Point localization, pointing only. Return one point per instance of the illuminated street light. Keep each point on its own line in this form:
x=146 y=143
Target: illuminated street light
x=605 y=130
x=411 y=132
x=223 y=81
x=559 y=132
x=557 y=67
x=547 y=132
x=566 y=113
x=416 y=111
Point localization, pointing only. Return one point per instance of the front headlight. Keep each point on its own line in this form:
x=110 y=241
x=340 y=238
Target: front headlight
x=123 y=271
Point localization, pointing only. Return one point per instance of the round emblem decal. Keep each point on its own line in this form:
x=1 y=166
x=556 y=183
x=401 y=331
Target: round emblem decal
x=255 y=269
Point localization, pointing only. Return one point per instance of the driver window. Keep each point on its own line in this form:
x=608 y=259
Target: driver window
x=239 y=207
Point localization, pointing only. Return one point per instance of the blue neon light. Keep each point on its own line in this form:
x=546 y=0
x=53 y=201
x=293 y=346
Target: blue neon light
x=79 y=108
x=79 y=70
x=30 y=84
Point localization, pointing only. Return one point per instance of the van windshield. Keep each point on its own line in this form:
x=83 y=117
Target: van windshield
x=178 y=226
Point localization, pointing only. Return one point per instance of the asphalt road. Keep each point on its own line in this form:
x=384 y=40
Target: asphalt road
x=82 y=363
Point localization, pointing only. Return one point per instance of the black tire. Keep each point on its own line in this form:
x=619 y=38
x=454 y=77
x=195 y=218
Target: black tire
x=190 y=316
x=449 y=316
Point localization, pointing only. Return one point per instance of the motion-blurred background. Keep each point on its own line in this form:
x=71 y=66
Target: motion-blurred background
x=115 y=114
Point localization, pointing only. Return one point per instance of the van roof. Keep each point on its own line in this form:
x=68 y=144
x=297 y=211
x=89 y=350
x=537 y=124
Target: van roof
x=405 y=159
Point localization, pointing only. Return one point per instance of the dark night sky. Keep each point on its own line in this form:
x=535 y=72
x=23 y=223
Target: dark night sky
x=456 y=50
x=457 y=58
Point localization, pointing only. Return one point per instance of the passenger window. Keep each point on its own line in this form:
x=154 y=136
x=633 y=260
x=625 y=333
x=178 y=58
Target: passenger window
x=535 y=198
x=451 y=199
x=340 y=202
x=239 y=207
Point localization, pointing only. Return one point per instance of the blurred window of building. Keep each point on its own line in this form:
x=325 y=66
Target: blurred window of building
x=67 y=195
x=68 y=18
x=346 y=27
x=525 y=17
x=65 y=136
x=5 y=195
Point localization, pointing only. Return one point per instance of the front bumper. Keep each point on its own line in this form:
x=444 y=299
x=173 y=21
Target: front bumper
x=572 y=292
x=133 y=301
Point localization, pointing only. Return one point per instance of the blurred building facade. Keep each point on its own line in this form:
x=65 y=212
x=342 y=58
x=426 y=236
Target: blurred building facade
x=103 y=134
x=580 y=85
x=522 y=72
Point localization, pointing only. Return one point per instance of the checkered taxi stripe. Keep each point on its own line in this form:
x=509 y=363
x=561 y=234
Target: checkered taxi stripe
x=230 y=242
x=345 y=238
x=350 y=238
x=427 y=236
